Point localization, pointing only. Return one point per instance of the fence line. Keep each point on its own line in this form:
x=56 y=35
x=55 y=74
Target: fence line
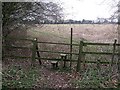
x=81 y=53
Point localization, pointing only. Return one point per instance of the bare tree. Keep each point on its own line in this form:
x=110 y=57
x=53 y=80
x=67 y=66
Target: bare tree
x=15 y=14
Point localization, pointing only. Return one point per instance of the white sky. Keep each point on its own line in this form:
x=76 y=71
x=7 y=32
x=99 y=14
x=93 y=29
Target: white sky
x=84 y=9
x=87 y=9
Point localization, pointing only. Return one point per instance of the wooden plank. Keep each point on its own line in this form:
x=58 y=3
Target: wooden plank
x=17 y=47
x=54 y=64
x=106 y=53
x=58 y=43
x=57 y=52
x=16 y=38
x=108 y=44
x=100 y=62
x=13 y=56
x=56 y=59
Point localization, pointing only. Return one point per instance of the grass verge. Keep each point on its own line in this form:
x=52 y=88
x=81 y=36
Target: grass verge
x=16 y=77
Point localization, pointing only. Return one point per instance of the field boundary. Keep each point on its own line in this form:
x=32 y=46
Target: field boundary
x=81 y=55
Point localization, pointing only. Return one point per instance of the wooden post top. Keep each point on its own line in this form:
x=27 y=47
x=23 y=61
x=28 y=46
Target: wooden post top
x=35 y=39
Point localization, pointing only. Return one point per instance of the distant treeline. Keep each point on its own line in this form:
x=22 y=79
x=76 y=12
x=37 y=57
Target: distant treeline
x=70 y=21
x=98 y=21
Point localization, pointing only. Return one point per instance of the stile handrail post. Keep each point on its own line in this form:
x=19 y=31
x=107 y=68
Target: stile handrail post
x=33 y=51
x=79 y=57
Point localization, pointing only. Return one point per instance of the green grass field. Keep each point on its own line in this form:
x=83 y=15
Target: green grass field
x=61 y=32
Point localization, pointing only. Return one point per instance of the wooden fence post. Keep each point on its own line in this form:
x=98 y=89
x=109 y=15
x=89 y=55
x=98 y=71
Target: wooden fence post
x=38 y=54
x=33 y=51
x=83 y=58
x=71 y=47
x=118 y=68
x=113 y=54
x=80 y=56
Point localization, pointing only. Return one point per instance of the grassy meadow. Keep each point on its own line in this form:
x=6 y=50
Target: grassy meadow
x=61 y=32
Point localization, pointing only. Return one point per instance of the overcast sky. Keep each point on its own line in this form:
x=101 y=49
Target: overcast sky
x=87 y=9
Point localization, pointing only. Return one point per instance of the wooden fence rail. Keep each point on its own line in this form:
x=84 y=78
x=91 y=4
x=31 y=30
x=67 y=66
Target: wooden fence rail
x=35 y=50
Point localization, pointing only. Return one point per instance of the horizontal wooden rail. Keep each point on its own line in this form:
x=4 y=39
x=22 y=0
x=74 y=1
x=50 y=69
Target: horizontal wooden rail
x=58 y=43
x=17 y=47
x=107 y=44
x=13 y=56
x=97 y=62
x=55 y=59
x=14 y=38
x=58 y=52
x=99 y=53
